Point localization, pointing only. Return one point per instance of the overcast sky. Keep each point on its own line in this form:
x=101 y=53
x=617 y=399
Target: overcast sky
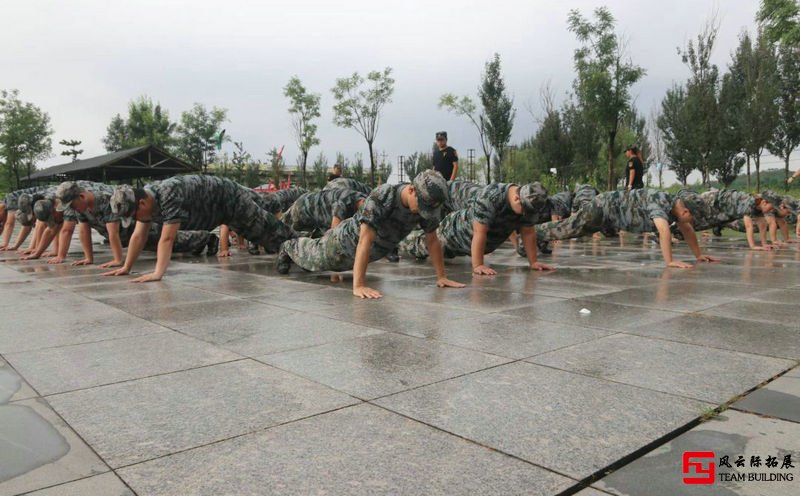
x=82 y=61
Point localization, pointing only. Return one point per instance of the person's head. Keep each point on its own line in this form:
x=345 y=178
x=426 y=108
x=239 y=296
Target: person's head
x=337 y=169
x=681 y=212
x=45 y=211
x=691 y=202
x=631 y=151
x=441 y=139
x=770 y=201
x=427 y=193
x=132 y=204
x=70 y=195
x=529 y=198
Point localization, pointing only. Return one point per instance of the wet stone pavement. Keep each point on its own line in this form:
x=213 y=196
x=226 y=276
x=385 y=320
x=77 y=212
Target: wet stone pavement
x=227 y=378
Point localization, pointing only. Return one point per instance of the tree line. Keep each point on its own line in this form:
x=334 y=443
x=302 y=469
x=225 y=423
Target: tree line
x=715 y=121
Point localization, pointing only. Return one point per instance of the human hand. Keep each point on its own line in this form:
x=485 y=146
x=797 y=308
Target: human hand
x=366 y=293
x=483 y=270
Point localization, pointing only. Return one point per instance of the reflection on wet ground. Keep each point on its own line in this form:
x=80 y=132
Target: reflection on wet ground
x=226 y=377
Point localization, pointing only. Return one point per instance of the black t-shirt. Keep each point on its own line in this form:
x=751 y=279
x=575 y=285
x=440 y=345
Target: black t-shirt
x=443 y=161
x=638 y=173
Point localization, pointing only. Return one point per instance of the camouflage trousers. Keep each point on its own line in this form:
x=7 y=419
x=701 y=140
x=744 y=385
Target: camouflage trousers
x=586 y=221
x=258 y=225
x=185 y=241
x=455 y=236
x=333 y=251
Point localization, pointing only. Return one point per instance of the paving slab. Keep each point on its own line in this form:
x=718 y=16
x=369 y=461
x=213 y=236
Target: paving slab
x=266 y=329
x=382 y=364
x=659 y=473
x=603 y=315
x=12 y=386
x=100 y=485
x=139 y=420
x=512 y=337
x=757 y=311
x=686 y=370
x=778 y=340
x=37 y=449
x=780 y=398
x=361 y=450
x=55 y=370
x=569 y=423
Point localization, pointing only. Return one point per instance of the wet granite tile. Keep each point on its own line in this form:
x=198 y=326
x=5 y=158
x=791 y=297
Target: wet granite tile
x=373 y=366
x=780 y=398
x=100 y=485
x=692 y=371
x=361 y=450
x=573 y=424
x=139 y=420
x=56 y=370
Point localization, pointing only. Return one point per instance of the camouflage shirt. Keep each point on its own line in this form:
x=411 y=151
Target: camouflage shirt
x=725 y=206
x=561 y=204
x=635 y=210
x=348 y=183
x=198 y=203
x=384 y=212
x=461 y=194
x=281 y=200
x=101 y=214
x=317 y=210
x=11 y=198
x=26 y=201
x=584 y=193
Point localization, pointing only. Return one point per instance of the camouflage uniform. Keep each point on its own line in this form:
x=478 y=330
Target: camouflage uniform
x=492 y=209
x=26 y=201
x=384 y=212
x=584 y=193
x=315 y=211
x=461 y=193
x=202 y=203
x=12 y=198
x=561 y=204
x=279 y=201
x=631 y=211
x=348 y=183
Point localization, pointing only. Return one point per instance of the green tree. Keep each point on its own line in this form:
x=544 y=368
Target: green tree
x=73 y=148
x=786 y=136
x=200 y=134
x=241 y=159
x=416 y=163
x=760 y=111
x=605 y=75
x=464 y=106
x=304 y=108
x=25 y=136
x=277 y=165
x=728 y=159
x=584 y=139
x=498 y=110
x=781 y=21
x=554 y=147
x=359 y=108
x=319 y=171
x=344 y=162
x=677 y=128
x=357 y=168
x=384 y=172
x=147 y=124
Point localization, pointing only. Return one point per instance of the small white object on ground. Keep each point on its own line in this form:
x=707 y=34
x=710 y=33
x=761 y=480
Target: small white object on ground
x=585 y=311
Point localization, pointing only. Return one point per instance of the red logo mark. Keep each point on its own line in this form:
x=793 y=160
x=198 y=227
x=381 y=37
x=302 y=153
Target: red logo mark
x=688 y=464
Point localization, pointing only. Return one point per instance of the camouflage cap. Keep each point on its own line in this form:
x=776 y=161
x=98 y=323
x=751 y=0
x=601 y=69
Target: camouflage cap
x=66 y=193
x=43 y=211
x=772 y=197
x=25 y=210
x=432 y=193
x=533 y=197
x=123 y=203
x=584 y=193
x=792 y=204
x=694 y=202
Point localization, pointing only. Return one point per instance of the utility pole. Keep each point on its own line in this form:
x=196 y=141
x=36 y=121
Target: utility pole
x=401 y=164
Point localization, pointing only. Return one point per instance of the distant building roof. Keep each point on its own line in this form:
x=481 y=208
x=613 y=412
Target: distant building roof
x=141 y=162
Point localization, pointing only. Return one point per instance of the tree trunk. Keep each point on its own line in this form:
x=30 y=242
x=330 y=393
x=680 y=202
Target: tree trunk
x=786 y=173
x=612 y=136
x=748 y=171
x=16 y=175
x=371 y=165
x=303 y=169
x=758 y=172
x=488 y=169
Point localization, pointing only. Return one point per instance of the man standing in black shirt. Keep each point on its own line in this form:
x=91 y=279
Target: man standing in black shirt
x=445 y=158
x=634 y=172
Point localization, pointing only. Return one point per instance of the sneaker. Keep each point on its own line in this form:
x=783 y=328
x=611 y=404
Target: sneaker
x=283 y=262
x=212 y=247
x=544 y=247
